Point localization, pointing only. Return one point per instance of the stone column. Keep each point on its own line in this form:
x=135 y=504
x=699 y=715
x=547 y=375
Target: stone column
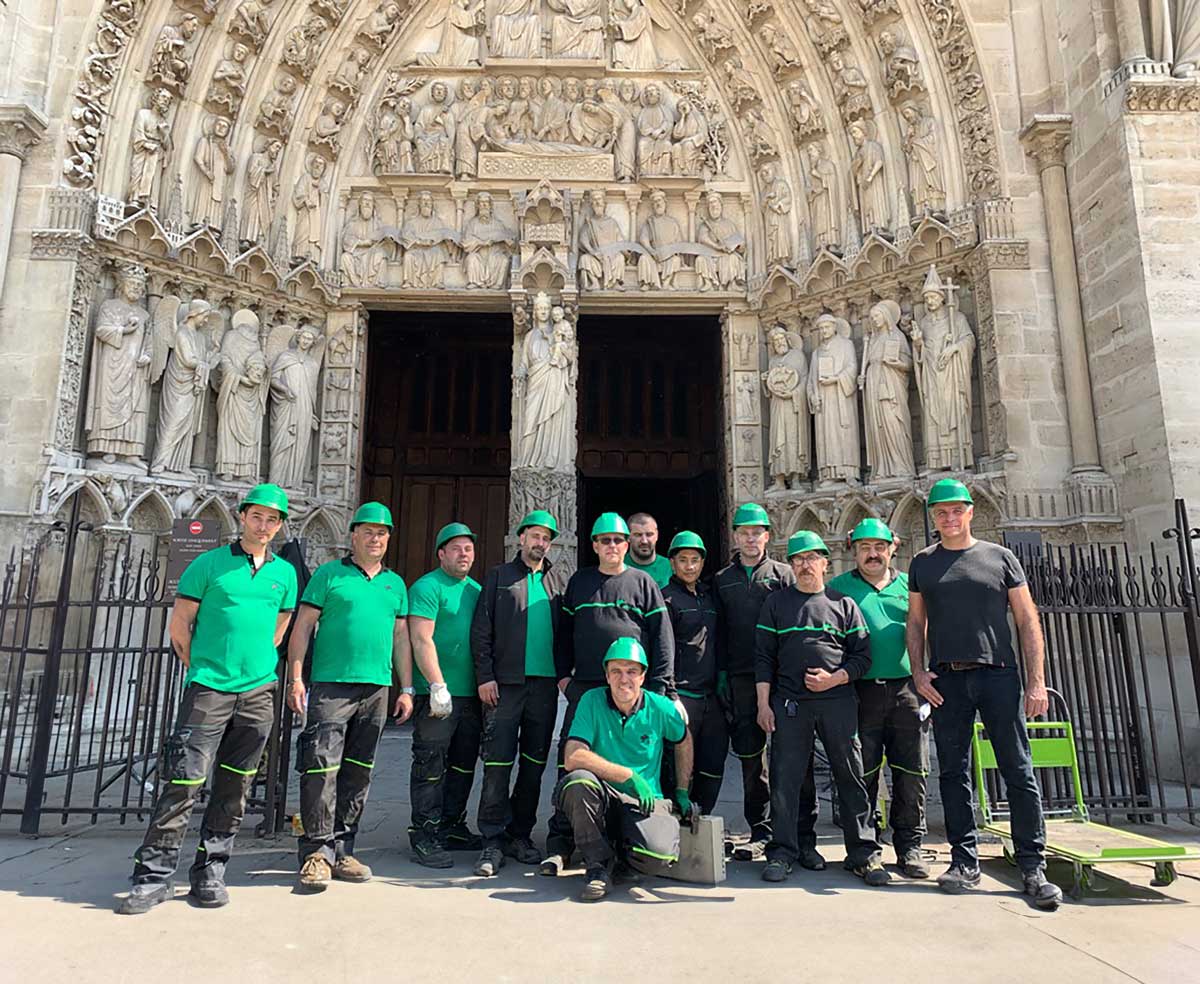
x=1045 y=138
x=21 y=127
x=1131 y=31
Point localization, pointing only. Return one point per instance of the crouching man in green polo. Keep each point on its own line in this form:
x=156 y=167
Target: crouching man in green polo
x=613 y=757
x=231 y=611
x=359 y=610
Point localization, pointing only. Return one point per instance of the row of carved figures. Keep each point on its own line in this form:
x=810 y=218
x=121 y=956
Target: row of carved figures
x=186 y=347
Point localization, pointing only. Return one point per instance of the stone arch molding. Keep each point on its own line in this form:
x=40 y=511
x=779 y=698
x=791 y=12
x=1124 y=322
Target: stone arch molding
x=825 y=123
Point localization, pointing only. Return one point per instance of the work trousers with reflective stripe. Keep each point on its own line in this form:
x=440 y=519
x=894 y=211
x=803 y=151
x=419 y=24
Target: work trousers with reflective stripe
x=560 y=839
x=518 y=730
x=443 y=766
x=213 y=727
x=335 y=754
x=889 y=723
x=710 y=745
x=608 y=824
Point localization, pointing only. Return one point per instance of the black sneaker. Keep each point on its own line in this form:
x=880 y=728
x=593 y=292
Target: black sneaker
x=210 y=894
x=1045 y=894
x=431 y=854
x=811 y=859
x=873 y=873
x=776 y=871
x=491 y=860
x=459 y=838
x=958 y=878
x=552 y=865
x=144 y=896
x=625 y=874
x=521 y=850
x=750 y=851
x=596 y=884
x=912 y=863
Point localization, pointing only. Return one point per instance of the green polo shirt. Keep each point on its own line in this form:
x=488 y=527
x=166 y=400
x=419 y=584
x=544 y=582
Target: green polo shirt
x=659 y=568
x=635 y=742
x=450 y=603
x=539 y=631
x=886 y=614
x=357 y=624
x=233 y=644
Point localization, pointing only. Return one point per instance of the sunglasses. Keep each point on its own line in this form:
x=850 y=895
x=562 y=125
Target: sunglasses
x=610 y=541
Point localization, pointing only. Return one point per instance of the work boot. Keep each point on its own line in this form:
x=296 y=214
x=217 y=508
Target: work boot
x=625 y=874
x=458 y=838
x=776 y=871
x=912 y=863
x=521 y=850
x=873 y=872
x=350 y=869
x=210 y=893
x=144 y=896
x=432 y=854
x=811 y=859
x=315 y=873
x=958 y=878
x=491 y=860
x=1045 y=894
x=596 y=884
x=552 y=865
x=750 y=851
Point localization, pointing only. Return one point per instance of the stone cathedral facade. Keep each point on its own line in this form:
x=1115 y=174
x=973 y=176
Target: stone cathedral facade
x=927 y=237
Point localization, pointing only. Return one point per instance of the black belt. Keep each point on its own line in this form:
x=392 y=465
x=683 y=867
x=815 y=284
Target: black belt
x=960 y=666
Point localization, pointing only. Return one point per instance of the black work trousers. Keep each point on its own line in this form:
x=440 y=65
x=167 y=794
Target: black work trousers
x=213 y=727
x=560 y=838
x=517 y=731
x=608 y=824
x=889 y=724
x=335 y=754
x=797 y=725
x=443 y=767
x=710 y=745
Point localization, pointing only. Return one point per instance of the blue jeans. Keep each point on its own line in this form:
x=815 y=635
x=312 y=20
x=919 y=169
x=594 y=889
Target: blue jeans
x=996 y=693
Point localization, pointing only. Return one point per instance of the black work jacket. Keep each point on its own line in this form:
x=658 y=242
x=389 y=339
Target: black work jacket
x=739 y=600
x=498 y=626
x=697 y=650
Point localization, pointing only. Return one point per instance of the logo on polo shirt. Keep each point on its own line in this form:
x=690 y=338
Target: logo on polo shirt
x=645 y=739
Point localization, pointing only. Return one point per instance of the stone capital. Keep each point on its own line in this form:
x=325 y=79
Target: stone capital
x=1045 y=138
x=21 y=127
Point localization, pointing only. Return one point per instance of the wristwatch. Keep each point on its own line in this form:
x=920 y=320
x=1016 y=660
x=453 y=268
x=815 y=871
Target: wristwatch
x=408 y=690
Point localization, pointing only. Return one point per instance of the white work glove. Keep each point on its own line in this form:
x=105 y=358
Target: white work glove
x=682 y=711
x=439 y=700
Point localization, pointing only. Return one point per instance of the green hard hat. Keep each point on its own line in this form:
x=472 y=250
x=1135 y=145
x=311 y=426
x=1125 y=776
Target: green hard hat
x=751 y=514
x=609 y=522
x=627 y=648
x=686 y=540
x=450 y=531
x=948 y=490
x=872 y=529
x=539 y=517
x=802 y=541
x=271 y=496
x=372 y=512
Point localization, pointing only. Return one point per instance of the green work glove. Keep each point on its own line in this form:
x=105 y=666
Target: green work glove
x=723 y=686
x=638 y=787
x=684 y=802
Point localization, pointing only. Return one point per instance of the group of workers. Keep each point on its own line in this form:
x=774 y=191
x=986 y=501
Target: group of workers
x=663 y=672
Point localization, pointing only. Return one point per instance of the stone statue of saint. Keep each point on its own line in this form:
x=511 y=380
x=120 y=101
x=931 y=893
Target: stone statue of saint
x=887 y=363
x=214 y=164
x=632 y=27
x=872 y=204
x=307 y=198
x=182 y=353
x=150 y=143
x=1175 y=35
x=689 y=134
x=170 y=60
x=241 y=384
x=824 y=201
x=119 y=376
x=251 y=22
x=488 y=245
x=470 y=121
x=516 y=29
x=427 y=245
x=545 y=379
x=922 y=149
x=786 y=384
x=364 y=258
x=655 y=124
x=434 y=129
x=601 y=247
x=262 y=191
x=833 y=397
x=462 y=34
x=294 y=375
x=552 y=113
x=394 y=137
x=577 y=29
x=776 y=204
x=662 y=241
x=723 y=264
x=944 y=354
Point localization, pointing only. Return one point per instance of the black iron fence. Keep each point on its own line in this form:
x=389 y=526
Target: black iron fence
x=89 y=685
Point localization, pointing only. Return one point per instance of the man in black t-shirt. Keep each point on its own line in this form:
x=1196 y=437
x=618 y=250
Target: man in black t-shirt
x=960 y=591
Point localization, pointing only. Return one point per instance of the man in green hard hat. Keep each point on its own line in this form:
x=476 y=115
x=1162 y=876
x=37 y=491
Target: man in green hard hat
x=512 y=642
x=447 y=718
x=892 y=717
x=698 y=661
x=960 y=593
x=611 y=792
x=600 y=605
x=811 y=647
x=358 y=609
x=643 y=549
x=231 y=611
x=741 y=587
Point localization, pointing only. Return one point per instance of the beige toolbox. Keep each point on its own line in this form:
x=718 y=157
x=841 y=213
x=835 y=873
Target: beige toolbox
x=701 y=852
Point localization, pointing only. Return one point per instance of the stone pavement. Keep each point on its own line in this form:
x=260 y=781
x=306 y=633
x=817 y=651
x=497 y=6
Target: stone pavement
x=57 y=893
